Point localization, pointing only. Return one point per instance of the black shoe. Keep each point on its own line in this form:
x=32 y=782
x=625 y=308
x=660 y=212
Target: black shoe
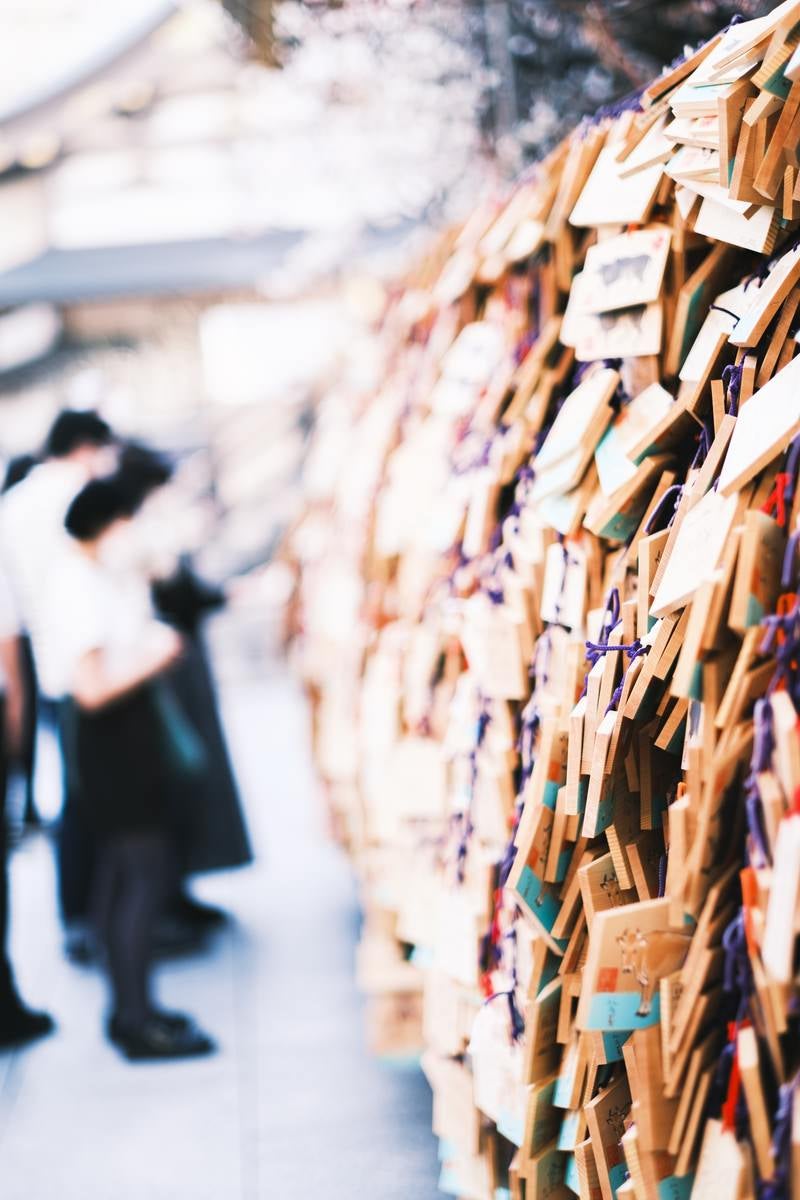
x=19 y=1024
x=194 y=912
x=167 y=1016
x=157 y=1038
x=174 y=1020
x=174 y=937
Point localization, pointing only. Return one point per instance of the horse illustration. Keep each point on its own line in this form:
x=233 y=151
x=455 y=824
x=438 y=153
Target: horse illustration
x=634 y=313
x=615 y=1119
x=609 y=886
x=649 y=957
x=631 y=264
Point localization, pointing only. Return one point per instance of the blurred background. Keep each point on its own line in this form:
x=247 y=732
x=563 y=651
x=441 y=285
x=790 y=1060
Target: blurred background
x=200 y=202
x=203 y=207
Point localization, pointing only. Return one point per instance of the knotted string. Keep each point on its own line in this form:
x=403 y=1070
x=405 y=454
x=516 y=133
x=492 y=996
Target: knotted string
x=596 y=650
x=732 y=382
x=610 y=621
x=634 y=650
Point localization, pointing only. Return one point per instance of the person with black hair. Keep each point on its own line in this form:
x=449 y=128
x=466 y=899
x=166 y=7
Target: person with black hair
x=115 y=661
x=215 y=836
x=18 y=1023
x=79 y=445
x=76 y=432
x=21 y=705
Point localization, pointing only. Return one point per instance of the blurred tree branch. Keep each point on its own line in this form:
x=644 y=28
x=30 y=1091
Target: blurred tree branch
x=572 y=56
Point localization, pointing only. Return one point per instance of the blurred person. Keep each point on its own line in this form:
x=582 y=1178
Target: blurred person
x=216 y=836
x=24 y=757
x=129 y=756
x=18 y=1023
x=79 y=446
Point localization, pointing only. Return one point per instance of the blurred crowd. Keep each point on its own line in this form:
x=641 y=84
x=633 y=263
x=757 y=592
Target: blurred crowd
x=100 y=637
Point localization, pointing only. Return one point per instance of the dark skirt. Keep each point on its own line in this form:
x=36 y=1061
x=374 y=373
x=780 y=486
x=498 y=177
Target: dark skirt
x=120 y=761
x=125 y=774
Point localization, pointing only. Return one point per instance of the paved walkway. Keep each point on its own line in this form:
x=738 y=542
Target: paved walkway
x=292 y=1107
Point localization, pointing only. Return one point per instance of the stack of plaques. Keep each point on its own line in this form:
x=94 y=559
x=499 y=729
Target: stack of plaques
x=549 y=622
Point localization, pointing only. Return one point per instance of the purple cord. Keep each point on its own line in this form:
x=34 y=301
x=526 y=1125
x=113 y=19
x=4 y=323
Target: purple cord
x=790 y=553
x=732 y=382
x=676 y=490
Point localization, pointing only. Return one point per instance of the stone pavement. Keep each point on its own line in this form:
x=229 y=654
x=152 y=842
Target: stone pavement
x=292 y=1106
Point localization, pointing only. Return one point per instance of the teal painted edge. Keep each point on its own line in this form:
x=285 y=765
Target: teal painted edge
x=618 y=1010
x=550 y=795
x=675 y=1187
x=755 y=611
x=617 y=1176
x=568 y=1133
x=541 y=903
x=613 y=1043
x=571 y=1175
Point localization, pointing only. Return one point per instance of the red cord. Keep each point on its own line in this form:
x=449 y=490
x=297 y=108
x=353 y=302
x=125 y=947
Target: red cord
x=734 y=1086
x=776 y=501
x=735 y=1081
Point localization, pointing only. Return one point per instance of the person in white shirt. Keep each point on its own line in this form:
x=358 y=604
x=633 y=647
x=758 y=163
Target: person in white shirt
x=24 y=765
x=79 y=446
x=114 y=659
x=18 y=1023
